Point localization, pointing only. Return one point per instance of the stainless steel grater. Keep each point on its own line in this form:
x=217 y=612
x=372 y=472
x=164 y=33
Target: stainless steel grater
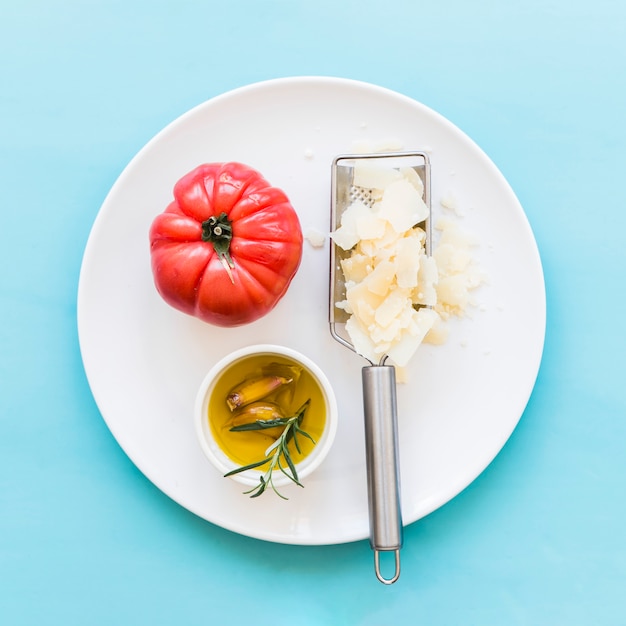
x=378 y=379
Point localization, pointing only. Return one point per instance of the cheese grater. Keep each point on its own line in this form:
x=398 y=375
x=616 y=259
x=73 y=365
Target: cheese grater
x=378 y=379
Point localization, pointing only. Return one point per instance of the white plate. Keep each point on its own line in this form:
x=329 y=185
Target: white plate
x=145 y=361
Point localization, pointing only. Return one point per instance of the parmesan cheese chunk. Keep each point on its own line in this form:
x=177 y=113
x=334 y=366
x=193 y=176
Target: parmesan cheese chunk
x=361 y=341
x=369 y=175
x=427 y=278
x=458 y=273
x=370 y=226
x=315 y=237
x=392 y=305
x=407 y=261
x=414 y=178
x=402 y=351
x=453 y=291
x=356 y=267
x=380 y=279
x=347 y=236
x=402 y=206
x=361 y=299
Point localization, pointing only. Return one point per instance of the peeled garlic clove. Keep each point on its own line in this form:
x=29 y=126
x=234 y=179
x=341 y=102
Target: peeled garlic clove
x=253 y=389
x=254 y=412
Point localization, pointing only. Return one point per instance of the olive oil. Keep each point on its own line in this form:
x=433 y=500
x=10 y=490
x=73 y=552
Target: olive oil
x=249 y=447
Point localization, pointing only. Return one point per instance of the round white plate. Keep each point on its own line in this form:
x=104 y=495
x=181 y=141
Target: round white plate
x=144 y=360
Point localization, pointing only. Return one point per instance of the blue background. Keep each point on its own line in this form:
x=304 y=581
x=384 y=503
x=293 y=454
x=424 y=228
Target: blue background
x=539 y=538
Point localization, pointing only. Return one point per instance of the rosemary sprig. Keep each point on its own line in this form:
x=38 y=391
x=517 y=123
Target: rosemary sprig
x=277 y=455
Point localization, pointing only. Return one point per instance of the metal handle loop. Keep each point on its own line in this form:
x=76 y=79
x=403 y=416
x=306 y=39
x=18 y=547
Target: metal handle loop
x=396 y=575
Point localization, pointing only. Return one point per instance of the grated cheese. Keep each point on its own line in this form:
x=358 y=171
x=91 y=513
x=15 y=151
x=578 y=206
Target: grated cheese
x=398 y=297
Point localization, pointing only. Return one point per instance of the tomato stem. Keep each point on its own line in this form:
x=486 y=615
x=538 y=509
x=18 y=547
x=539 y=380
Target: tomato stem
x=219 y=232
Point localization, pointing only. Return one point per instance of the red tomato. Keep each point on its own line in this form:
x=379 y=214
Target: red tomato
x=227 y=247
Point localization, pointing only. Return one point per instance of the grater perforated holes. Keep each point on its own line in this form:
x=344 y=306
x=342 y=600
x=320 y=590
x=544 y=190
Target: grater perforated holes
x=362 y=194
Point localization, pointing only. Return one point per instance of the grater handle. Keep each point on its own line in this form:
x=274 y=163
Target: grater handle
x=383 y=471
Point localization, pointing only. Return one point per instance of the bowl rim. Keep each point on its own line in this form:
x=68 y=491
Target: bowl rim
x=214 y=453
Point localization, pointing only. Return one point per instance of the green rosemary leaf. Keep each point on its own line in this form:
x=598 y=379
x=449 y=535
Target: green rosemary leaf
x=295 y=439
x=291 y=478
x=261 y=424
x=304 y=434
x=292 y=468
x=246 y=467
x=258 y=490
x=280 y=495
x=289 y=436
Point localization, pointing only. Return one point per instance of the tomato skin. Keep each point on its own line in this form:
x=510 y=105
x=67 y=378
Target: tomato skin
x=265 y=249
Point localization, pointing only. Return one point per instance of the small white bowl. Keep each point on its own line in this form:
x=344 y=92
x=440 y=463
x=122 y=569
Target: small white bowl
x=212 y=449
